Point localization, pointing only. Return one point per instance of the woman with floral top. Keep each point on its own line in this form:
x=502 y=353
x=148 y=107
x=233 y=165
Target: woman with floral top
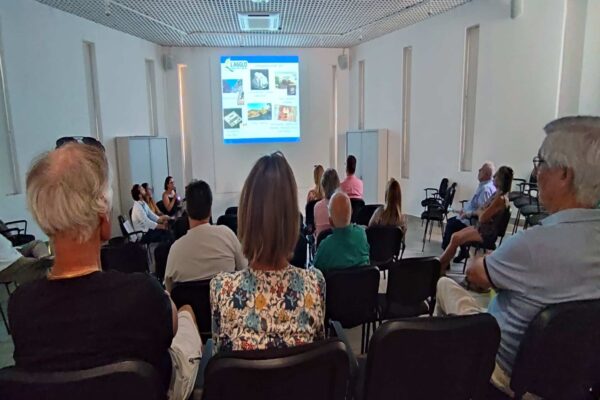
x=271 y=304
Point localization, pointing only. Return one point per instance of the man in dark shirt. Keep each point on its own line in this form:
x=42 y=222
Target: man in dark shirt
x=81 y=317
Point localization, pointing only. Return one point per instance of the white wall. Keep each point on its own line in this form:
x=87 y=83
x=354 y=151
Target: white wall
x=589 y=101
x=225 y=167
x=44 y=65
x=517 y=90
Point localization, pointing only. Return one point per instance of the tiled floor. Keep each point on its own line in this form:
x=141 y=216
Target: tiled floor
x=413 y=249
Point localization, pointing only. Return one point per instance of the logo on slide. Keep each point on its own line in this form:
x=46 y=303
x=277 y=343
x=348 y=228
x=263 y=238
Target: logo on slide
x=236 y=64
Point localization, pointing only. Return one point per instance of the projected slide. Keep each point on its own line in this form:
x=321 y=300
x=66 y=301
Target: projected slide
x=260 y=99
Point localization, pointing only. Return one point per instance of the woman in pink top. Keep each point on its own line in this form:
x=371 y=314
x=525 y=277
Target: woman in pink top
x=330 y=183
x=352 y=185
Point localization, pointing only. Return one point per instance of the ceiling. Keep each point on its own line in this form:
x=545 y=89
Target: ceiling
x=214 y=23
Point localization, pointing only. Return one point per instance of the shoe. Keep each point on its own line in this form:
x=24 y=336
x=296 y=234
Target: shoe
x=460 y=258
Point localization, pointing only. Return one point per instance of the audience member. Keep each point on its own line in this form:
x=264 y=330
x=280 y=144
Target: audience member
x=552 y=263
x=206 y=249
x=155 y=228
x=488 y=216
x=81 y=317
x=352 y=185
x=270 y=304
x=316 y=193
x=391 y=212
x=169 y=198
x=28 y=263
x=330 y=183
x=347 y=245
x=148 y=197
x=485 y=190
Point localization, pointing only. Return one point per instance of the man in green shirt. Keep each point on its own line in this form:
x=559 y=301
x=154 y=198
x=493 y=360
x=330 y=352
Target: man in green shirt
x=347 y=246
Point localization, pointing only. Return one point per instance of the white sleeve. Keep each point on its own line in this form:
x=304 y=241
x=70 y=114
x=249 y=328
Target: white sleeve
x=140 y=220
x=151 y=216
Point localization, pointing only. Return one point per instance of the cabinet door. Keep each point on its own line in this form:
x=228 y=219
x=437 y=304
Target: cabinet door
x=369 y=166
x=354 y=147
x=139 y=156
x=159 y=164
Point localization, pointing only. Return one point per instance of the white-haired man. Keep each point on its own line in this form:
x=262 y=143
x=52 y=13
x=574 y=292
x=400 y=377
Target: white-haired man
x=555 y=262
x=81 y=317
x=347 y=246
x=484 y=192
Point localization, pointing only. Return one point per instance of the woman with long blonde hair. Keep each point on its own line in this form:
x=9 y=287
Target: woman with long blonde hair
x=316 y=193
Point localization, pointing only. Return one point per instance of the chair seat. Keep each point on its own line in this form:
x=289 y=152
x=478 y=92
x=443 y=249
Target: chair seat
x=512 y=196
x=396 y=310
x=531 y=209
x=21 y=239
x=536 y=219
x=525 y=200
x=482 y=245
x=430 y=201
x=433 y=215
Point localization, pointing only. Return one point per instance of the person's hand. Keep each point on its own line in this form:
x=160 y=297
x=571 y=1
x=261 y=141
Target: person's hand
x=161 y=226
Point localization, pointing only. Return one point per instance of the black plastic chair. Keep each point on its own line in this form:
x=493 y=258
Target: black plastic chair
x=316 y=371
x=161 y=254
x=182 y=225
x=128 y=257
x=558 y=356
x=411 y=288
x=322 y=235
x=385 y=244
x=450 y=358
x=299 y=256
x=364 y=215
x=197 y=295
x=438 y=212
x=229 y=221
x=357 y=205
x=16 y=232
x=123 y=380
x=231 y=210
x=435 y=196
x=309 y=227
x=351 y=299
x=502 y=227
x=129 y=235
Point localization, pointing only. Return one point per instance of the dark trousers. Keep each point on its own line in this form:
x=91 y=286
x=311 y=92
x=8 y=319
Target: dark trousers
x=157 y=235
x=453 y=225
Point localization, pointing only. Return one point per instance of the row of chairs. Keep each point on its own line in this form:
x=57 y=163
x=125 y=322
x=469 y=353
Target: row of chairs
x=420 y=358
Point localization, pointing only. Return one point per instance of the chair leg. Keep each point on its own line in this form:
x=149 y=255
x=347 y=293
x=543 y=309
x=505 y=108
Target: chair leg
x=516 y=225
x=425 y=236
x=466 y=258
x=430 y=230
x=4 y=320
x=367 y=337
x=7 y=286
x=362 y=340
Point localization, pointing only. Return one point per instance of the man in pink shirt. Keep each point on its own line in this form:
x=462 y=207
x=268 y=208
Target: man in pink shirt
x=352 y=185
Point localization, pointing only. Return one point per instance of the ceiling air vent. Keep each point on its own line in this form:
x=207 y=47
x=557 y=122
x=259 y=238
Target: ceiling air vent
x=259 y=21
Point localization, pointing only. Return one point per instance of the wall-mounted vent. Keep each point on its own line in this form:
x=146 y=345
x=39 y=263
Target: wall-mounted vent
x=259 y=21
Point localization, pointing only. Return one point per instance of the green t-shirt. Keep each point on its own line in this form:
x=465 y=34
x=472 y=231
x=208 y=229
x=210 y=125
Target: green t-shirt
x=344 y=248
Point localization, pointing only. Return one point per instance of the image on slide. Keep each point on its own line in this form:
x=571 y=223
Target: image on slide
x=285 y=79
x=259 y=111
x=260 y=79
x=232 y=118
x=232 y=85
x=286 y=113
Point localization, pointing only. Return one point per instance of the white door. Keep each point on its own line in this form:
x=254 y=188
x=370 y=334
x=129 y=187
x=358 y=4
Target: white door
x=159 y=164
x=369 y=166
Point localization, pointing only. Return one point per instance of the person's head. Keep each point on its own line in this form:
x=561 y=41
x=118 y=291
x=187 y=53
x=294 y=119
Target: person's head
x=503 y=179
x=137 y=192
x=568 y=164
x=340 y=210
x=148 y=191
x=198 y=197
x=69 y=192
x=169 y=183
x=393 y=195
x=486 y=172
x=350 y=165
x=330 y=182
x=268 y=222
x=318 y=174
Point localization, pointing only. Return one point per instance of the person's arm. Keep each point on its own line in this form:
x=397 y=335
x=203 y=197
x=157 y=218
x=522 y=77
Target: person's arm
x=169 y=203
x=487 y=213
x=476 y=273
x=139 y=218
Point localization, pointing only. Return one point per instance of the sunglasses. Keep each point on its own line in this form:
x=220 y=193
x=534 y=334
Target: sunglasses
x=79 y=139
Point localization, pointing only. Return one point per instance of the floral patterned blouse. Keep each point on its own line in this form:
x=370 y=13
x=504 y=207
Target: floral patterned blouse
x=255 y=310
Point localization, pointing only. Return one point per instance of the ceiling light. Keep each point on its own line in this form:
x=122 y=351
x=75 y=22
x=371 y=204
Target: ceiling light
x=260 y=1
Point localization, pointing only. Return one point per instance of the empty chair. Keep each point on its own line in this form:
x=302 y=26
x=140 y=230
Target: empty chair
x=316 y=371
x=435 y=196
x=128 y=257
x=16 y=232
x=385 y=243
x=161 y=254
x=228 y=220
x=364 y=215
x=123 y=380
x=558 y=356
x=351 y=298
x=231 y=210
x=450 y=358
x=357 y=205
x=411 y=288
x=438 y=213
x=197 y=295
x=323 y=235
x=127 y=230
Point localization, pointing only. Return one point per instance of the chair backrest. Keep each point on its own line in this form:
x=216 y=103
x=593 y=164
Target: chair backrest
x=299 y=257
x=323 y=234
x=503 y=222
x=412 y=280
x=443 y=188
x=182 y=225
x=119 y=381
x=131 y=214
x=351 y=295
x=128 y=257
x=122 y=222
x=161 y=207
x=197 y=295
x=228 y=220
x=357 y=204
x=449 y=198
x=364 y=215
x=460 y=349
x=309 y=214
x=231 y=210
x=384 y=243
x=161 y=254
x=558 y=356
x=317 y=371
